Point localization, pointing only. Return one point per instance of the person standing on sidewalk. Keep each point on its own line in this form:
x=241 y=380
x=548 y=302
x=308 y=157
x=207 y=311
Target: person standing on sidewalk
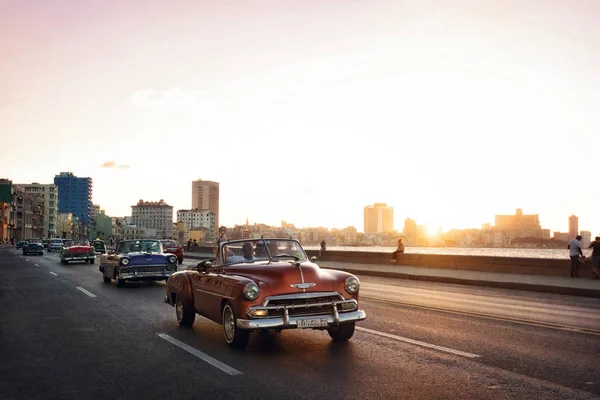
x=399 y=250
x=575 y=254
x=595 y=246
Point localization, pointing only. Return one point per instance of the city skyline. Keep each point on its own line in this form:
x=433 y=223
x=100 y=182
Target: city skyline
x=449 y=114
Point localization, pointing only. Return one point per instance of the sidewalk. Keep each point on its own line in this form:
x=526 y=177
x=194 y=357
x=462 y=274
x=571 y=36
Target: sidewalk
x=536 y=283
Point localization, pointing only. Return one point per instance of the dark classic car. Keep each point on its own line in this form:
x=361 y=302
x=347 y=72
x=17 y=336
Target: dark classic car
x=173 y=247
x=20 y=244
x=137 y=260
x=77 y=250
x=33 y=248
x=99 y=246
x=263 y=284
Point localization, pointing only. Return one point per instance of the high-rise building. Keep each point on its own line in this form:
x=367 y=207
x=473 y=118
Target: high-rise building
x=154 y=215
x=50 y=193
x=75 y=197
x=378 y=218
x=573 y=226
x=205 y=196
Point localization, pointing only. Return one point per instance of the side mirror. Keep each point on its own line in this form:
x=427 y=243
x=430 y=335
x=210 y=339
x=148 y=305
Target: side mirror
x=204 y=265
x=313 y=258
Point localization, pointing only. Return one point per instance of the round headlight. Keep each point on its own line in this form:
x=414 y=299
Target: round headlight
x=125 y=261
x=352 y=284
x=172 y=259
x=251 y=291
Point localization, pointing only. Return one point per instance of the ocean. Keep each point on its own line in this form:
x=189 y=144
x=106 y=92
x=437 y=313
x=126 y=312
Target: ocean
x=466 y=251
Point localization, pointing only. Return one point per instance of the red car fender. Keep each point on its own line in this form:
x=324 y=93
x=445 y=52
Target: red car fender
x=180 y=284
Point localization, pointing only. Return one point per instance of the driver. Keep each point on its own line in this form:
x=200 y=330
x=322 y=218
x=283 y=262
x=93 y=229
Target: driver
x=247 y=251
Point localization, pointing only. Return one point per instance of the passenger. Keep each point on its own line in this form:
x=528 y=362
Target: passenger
x=247 y=251
x=261 y=250
x=273 y=248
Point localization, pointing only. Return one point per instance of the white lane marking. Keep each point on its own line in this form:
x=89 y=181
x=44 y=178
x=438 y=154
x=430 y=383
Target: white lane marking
x=37 y=265
x=86 y=292
x=54 y=273
x=418 y=343
x=27 y=259
x=204 y=357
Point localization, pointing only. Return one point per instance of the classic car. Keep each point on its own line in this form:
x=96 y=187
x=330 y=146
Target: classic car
x=137 y=260
x=33 y=248
x=46 y=243
x=173 y=247
x=55 y=245
x=20 y=244
x=99 y=246
x=265 y=284
x=77 y=250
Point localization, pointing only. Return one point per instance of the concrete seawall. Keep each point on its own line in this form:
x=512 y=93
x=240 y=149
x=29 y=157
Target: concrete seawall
x=509 y=265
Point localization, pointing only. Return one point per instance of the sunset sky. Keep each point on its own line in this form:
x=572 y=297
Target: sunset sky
x=450 y=111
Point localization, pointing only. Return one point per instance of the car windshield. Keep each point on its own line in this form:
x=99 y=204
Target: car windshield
x=80 y=243
x=132 y=246
x=169 y=243
x=253 y=250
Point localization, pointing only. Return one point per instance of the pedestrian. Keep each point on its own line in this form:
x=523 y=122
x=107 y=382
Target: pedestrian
x=595 y=246
x=399 y=250
x=189 y=245
x=575 y=254
x=323 y=247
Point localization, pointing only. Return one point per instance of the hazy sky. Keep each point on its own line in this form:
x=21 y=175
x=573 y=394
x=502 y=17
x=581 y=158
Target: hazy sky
x=306 y=111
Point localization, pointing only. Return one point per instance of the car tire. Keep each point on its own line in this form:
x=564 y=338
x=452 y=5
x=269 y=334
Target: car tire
x=185 y=315
x=118 y=281
x=342 y=332
x=106 y=279
x=234 y=336
x=180 y=261
x=92 y=261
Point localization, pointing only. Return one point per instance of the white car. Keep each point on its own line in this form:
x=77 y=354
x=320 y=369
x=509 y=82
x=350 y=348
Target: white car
x=55 y=245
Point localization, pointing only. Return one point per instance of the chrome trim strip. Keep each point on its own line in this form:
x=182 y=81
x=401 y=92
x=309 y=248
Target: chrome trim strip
x=270 y=323
x=308 y=295
x=215 y=294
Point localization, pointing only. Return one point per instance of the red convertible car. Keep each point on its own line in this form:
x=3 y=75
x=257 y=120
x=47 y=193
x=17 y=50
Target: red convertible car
x=262 y=284
x=77 y=250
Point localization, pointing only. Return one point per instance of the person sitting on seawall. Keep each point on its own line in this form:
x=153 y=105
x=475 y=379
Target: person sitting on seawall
x=399 y=250
x=595 y=246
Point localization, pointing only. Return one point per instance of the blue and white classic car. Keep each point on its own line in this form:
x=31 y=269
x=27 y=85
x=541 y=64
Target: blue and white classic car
x=137 y=260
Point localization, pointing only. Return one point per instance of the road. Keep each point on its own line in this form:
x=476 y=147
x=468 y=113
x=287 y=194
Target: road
x=65 y=334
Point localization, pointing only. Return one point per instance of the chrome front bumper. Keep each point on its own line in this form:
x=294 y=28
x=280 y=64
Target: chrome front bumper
x=78 y=258
x=292 y=322
x=146 y=275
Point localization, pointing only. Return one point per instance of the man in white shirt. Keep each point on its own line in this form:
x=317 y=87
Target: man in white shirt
x=575 y=254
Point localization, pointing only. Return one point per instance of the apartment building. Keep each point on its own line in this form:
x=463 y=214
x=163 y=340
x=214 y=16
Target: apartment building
x=50 y=193
x=153 y=215
x=205 y=196
x=75 y=196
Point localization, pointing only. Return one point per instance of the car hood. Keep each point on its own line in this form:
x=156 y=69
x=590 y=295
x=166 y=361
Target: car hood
x=79 y=249
x=280 y=275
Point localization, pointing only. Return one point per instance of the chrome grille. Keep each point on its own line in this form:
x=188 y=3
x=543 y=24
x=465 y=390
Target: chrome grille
x=154 y=268
x=303 y=304
x=77 y=254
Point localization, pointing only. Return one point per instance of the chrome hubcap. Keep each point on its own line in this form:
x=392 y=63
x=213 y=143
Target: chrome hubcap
x=228 y=324
x=179 y=309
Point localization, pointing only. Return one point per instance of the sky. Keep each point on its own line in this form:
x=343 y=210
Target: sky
x=307 y=111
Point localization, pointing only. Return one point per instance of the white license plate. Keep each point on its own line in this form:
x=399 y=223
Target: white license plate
x=312 y=323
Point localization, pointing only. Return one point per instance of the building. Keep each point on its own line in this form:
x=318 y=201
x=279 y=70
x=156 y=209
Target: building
x=573 y=226
x=50 y=192
x=378 y=218
x=198 y=220
x=516 y=226
x=75 y=197
x=29 y=214
x=561 y=236
x=205 y=196
x=103 y=226
x=6 y=210
x=149 y=215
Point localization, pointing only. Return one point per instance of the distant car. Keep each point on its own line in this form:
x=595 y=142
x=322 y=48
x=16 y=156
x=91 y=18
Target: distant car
x=137 y=260
x=20 y=244
x=77 y=250
x=33 y=248
x=173 y=247
x=261 y=284
x=99 y=246
x=46 y=243
x=55 y=244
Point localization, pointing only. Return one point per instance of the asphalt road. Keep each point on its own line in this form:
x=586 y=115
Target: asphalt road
x=64 y=334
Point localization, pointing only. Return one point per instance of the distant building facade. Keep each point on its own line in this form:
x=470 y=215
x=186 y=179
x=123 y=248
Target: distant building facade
x=378 y=218
x=50 y=193
x=153 y=215
x=519 y=225
x=205 y=196
x=573 y=226
x=199 y=219
x=75 y=197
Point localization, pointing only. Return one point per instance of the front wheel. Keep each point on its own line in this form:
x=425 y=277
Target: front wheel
x=343 y=332
x=185 y=315
x=92 y=261
x=120 y=282
x=234 y=336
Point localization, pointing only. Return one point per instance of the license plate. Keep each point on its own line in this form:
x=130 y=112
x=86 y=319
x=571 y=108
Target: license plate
x=312 y=323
